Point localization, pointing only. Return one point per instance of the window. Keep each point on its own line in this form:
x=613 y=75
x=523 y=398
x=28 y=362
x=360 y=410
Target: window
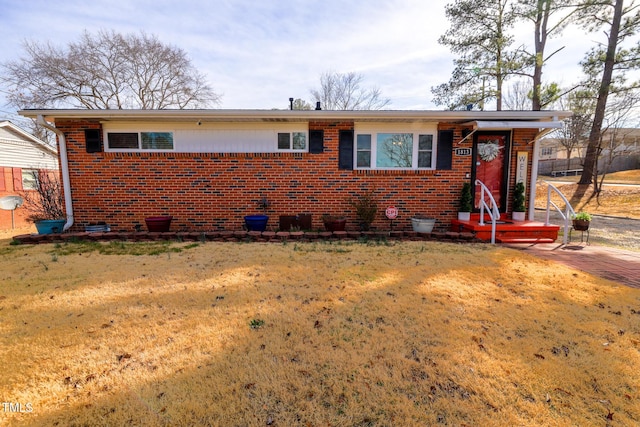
x=296 y=141
x=364 y=151
x=394 y=150
x=546 y=151
x=140 y=140
x=425 y=151
x=29 y=179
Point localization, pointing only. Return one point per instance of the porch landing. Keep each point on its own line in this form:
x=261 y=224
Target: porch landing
x=508 y=231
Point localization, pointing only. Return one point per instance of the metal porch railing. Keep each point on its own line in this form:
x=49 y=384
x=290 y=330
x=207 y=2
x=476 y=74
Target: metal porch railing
x=492 y=209
x=566 y=215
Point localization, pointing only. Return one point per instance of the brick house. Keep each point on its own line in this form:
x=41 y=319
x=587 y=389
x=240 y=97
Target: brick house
x=20 y=155
x=210 y=168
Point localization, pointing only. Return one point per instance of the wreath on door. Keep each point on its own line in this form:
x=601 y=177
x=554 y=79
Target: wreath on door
x=488 y=151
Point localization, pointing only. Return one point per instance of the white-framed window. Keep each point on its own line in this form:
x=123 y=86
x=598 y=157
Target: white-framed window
x=395 y=148
x=147 y=141
x=546 y=151
x=292 y=141
x=29 y=179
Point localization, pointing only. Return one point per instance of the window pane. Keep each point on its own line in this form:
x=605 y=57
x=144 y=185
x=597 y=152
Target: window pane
x=29 y=179
x=394 y=150
x=426 y=142
x=284 y=141
x=424 y=159
x=299 y=141
x=364 y=159
x=364 y=142
x=157 y=140
x=122 y=140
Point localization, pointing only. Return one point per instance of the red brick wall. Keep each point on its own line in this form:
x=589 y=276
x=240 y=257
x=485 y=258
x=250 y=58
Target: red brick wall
x=214 y=191
x=11 y=185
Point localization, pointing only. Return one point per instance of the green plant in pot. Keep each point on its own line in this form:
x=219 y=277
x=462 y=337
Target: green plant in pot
x=45 y=202
x=518 y=213
x=581 y=221
x=366 y=206
x=464 y=211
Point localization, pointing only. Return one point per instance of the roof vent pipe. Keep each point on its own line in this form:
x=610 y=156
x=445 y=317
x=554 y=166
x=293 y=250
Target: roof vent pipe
x=318 y=107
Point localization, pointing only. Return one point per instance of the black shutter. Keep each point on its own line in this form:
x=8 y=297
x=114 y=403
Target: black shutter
x=445 y=150
x=316 y=141
x=92 y=140
x=345 y=150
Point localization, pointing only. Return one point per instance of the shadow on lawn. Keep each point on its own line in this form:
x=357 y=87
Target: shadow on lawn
x=377 y=340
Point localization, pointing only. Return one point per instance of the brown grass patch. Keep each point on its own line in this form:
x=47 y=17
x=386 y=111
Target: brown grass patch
x=313 y=334
x=621 y=201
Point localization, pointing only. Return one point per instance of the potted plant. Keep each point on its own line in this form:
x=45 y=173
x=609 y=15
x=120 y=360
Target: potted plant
x=464 y=212
x=334 y=222
x=45 y=202
x=422 y=223
x=581 y=221
x=518 y=213
x=258 y=222
x=366 y=206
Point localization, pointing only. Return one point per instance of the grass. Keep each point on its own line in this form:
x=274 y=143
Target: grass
x=312 y=334
x=613 y=201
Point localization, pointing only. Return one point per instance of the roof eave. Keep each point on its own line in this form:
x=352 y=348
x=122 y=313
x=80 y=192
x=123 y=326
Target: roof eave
x=294 y=115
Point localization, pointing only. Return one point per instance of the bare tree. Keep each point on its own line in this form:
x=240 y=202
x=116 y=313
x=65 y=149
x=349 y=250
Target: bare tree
x=345 y=92
x=107 y=70
x=301 y=104
x=616 y=127
x=516 y=97
x=574 y=134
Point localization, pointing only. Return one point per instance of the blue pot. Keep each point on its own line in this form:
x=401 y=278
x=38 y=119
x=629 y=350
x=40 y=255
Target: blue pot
x=50 y=226
x=256 y=222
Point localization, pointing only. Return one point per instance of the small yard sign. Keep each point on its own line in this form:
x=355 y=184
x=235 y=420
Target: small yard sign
x=391 y=212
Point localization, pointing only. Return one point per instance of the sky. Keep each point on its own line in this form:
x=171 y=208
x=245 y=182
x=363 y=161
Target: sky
x=258 y=53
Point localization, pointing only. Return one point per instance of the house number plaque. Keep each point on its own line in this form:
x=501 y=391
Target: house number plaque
x=463 y=151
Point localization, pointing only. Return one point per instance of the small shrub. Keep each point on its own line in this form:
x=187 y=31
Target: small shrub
x=582 y=216
x=256 y=323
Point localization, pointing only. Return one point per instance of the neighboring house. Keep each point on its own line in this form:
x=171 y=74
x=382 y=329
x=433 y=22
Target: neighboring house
x=210 y=168
x=20 y=155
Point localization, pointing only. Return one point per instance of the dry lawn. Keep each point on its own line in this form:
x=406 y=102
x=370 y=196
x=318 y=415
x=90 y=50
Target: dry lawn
x=621 y=201
x=312 y=334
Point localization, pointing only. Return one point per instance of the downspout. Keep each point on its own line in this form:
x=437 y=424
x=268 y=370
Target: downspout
x=64 y=164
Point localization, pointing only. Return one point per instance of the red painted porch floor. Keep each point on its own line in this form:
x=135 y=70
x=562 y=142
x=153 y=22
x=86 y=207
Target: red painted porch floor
x=508 y=231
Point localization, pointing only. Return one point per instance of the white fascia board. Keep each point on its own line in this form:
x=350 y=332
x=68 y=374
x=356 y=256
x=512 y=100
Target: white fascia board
x=502 y=125
x=298 y=115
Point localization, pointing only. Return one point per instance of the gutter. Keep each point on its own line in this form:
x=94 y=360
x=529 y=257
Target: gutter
x=64 y=164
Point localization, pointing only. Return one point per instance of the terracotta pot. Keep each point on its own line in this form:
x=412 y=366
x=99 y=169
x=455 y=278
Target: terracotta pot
x=158 y=223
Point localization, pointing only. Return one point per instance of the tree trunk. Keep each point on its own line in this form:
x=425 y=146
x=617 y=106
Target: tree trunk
x=542 y=19
x=591 y=158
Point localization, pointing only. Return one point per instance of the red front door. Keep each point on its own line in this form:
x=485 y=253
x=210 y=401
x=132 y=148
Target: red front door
x=491 y=155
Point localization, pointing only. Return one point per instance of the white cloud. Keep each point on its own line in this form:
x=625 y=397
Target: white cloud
x=259 y=53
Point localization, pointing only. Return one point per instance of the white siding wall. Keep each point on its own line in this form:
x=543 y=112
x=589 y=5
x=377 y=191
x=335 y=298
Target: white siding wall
x=21 y=154
x=213 y=137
